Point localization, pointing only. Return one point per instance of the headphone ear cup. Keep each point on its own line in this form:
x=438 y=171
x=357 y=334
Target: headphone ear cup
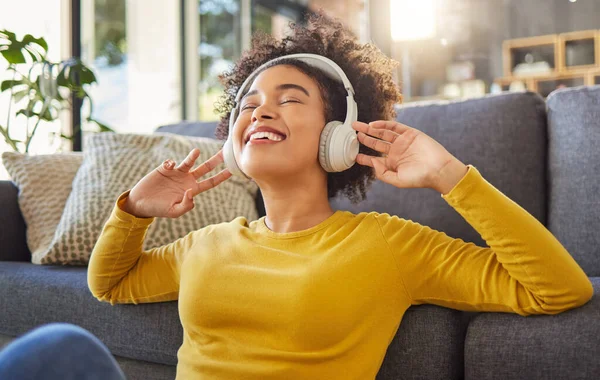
x=229 y=159
x=325 y=148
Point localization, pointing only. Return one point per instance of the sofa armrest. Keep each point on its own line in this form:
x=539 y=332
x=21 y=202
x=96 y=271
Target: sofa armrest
x=505 y=346
x=13 y=240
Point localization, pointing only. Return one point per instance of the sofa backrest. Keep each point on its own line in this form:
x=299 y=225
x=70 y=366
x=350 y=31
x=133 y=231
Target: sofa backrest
x=504 y=136
x=191 y=128
x=574 y=173
x=13 y=238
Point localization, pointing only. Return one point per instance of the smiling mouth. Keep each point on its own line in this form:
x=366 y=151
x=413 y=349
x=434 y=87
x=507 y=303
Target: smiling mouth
x=269 y=135
x=283 y=138
x=264 y=141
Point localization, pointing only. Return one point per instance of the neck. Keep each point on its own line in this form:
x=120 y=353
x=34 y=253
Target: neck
x=296 y=204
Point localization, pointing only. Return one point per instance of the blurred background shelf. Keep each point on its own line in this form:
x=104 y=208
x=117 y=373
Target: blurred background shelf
x=546 y=63
x=579 y=50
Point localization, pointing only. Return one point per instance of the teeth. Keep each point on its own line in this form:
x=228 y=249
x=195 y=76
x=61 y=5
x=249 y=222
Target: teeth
x=269 y=135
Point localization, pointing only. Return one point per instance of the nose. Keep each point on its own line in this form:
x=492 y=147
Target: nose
x=263 y=112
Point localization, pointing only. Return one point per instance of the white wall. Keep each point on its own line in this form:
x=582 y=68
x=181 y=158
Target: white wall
x=40 y=18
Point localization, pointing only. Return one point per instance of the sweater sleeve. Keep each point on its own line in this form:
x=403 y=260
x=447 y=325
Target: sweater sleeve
x=120 y=271
x=524 y=270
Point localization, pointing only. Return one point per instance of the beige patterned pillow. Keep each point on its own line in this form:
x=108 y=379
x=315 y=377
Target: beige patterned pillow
x=114 y=163
x=44 y=183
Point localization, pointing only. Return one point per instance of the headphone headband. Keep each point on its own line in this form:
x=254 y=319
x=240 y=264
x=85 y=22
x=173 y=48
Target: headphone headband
x=323 y=63
x=329 y=67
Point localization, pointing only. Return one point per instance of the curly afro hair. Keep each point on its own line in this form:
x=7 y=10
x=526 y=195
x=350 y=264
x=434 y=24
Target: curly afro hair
x=367 y=68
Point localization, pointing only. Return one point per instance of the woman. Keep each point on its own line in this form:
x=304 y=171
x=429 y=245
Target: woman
x=307 y=292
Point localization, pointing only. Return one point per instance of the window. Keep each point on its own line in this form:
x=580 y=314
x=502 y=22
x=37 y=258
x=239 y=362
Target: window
x=226 y=27
x=134 y=49
x=220 y=46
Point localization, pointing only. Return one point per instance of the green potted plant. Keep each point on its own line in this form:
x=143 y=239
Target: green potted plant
x=40 y=89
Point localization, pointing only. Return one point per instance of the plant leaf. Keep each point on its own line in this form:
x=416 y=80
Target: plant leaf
x=24 y=112
x=47 y=116
x=87 y=76
x=7 y=84
x=8 y=35
x=62 y=80
x=72 y=68
x=12 y=49
x=13 y=56
x=19 y=95
x=103 y=127
x=29 y=39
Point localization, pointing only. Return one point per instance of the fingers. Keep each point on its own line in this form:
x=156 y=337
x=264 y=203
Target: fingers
x=188 y=162
x=213 y=181
x=363 y=159
x=391 y=125
x=377 y=164
x=166 y=166
x=386 y=132
x=379 y=132
x=186 y=204
x=373 y=143
x=208 y=165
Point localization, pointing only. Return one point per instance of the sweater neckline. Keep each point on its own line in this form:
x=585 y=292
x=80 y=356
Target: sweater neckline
x=264 y=230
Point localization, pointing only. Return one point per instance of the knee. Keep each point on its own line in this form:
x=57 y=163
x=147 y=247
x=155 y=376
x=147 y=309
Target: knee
x=62 y=329
x=61 y=348
x=65 y=333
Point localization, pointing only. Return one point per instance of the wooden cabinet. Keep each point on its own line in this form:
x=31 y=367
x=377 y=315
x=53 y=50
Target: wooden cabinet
x=541 y=49
x=545 y=63
x=578 y=50
x=544 y=86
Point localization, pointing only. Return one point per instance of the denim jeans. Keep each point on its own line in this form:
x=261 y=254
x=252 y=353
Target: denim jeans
x=58 y=351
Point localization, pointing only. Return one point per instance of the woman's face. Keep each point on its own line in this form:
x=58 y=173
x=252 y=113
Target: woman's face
x=289 y=101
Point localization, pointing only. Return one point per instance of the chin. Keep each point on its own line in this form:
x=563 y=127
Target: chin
x=258 y=175
x=274 y=170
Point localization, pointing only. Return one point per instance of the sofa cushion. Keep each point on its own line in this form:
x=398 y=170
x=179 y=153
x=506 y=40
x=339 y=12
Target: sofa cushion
x=428 y=344
x=44 y=182
x=504 y=136
x=574 y=164
x=508 y=346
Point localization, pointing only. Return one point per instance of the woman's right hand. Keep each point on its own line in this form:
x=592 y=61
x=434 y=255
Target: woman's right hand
x=168 y=190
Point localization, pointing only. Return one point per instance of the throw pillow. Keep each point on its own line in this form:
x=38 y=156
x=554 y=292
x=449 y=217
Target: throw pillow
x=114 y=163
x=44 y=183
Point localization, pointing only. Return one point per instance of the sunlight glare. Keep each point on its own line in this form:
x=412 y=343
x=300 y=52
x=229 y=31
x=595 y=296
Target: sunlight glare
x=412 y=19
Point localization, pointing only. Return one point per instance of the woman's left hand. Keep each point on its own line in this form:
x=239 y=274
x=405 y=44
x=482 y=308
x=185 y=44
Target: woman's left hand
x=411 y=159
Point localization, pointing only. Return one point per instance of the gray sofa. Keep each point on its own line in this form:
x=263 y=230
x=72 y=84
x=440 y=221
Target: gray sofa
x=544 y=155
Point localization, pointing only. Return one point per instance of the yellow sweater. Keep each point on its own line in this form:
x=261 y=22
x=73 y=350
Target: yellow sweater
x=324 y=303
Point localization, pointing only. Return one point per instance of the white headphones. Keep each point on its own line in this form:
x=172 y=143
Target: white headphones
x=338 y=144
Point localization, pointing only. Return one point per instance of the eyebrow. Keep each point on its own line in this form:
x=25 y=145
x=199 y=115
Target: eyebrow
x=281 y=87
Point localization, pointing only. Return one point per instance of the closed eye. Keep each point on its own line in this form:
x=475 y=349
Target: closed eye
x=283 y=102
